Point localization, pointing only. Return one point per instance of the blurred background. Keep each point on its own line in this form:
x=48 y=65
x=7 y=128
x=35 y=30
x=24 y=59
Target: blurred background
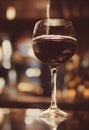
x=20 y=72
x=23 y=77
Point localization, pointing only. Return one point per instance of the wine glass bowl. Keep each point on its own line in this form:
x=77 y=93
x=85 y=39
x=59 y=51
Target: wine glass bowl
x=54 y=42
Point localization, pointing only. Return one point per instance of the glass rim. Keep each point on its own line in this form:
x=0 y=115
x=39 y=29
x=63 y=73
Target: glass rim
x=55 y=21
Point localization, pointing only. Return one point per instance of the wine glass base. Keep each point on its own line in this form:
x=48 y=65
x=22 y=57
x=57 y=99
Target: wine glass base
x=53 y=113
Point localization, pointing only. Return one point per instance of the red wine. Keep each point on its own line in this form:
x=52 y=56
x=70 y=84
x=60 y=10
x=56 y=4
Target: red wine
x=54 y=49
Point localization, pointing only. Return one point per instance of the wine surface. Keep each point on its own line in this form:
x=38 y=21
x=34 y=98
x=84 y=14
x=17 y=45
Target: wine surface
x=54 y=49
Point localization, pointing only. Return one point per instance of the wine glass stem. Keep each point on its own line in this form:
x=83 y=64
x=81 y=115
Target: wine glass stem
x=53 y=87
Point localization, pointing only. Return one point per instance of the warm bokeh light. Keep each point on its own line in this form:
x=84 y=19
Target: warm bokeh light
x=11 y=13
x=74 y=63
x=7 y=52
x=72 y=83
x=0 y=54
x=30 y=87
x=69 y=94
x=76 y=59
x=33 y=72
x=69 y=66
x=1 y=116
x=12 y=77
x=2 y=84
x=80 y=88
x=86 y=93
x=25 y=87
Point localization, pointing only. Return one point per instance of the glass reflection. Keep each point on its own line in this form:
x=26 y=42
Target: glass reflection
x=33 y=121
x=27 y=119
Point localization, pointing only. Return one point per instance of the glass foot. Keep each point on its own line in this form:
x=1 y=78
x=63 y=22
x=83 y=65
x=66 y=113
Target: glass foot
x=53 y=113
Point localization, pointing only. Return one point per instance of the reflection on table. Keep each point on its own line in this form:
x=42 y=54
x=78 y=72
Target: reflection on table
x=27 y=119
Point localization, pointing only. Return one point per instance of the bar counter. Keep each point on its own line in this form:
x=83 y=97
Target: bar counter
x=21 y=113
x=27 y=119
x=26 y=101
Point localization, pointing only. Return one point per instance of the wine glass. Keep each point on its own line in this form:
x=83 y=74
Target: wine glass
x=54 y=42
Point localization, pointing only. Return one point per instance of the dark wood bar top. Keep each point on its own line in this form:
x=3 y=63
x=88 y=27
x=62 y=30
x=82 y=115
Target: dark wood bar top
x=27 y=119
x=28 y=101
